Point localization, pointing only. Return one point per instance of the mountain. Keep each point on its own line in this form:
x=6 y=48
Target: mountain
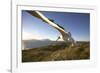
x=33 y=43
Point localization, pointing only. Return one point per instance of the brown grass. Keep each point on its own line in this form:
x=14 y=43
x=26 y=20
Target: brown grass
x=57 y=53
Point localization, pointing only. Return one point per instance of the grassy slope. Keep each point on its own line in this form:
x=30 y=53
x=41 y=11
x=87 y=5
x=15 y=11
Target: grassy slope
x=57 y=52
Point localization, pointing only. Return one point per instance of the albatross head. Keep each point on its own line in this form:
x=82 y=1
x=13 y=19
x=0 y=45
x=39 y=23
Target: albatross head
x=68 y=38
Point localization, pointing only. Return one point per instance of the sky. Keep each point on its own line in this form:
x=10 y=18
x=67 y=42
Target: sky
x=78 y=24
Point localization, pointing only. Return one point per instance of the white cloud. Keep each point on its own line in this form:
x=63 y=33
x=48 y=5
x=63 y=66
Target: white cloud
x=27 y=36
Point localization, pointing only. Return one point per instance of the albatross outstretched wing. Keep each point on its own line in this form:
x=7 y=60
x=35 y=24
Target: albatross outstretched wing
x=39 y=15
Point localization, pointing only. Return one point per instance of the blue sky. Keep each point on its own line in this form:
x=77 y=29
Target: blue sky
x=76 y=23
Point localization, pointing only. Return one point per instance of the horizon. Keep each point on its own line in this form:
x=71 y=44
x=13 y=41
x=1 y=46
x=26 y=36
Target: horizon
x=50 y=40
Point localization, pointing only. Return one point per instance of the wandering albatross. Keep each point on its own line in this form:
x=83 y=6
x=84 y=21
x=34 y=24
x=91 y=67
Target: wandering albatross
x=66 y=36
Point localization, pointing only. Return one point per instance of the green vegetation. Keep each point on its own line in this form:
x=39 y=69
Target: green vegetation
x=57 y=53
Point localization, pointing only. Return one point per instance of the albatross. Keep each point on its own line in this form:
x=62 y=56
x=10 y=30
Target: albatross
x=65 y=35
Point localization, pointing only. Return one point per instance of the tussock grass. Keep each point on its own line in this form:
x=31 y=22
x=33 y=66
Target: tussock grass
x=57 y=53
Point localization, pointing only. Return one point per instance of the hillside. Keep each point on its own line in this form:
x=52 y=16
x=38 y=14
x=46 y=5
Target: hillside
x=56 y=52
